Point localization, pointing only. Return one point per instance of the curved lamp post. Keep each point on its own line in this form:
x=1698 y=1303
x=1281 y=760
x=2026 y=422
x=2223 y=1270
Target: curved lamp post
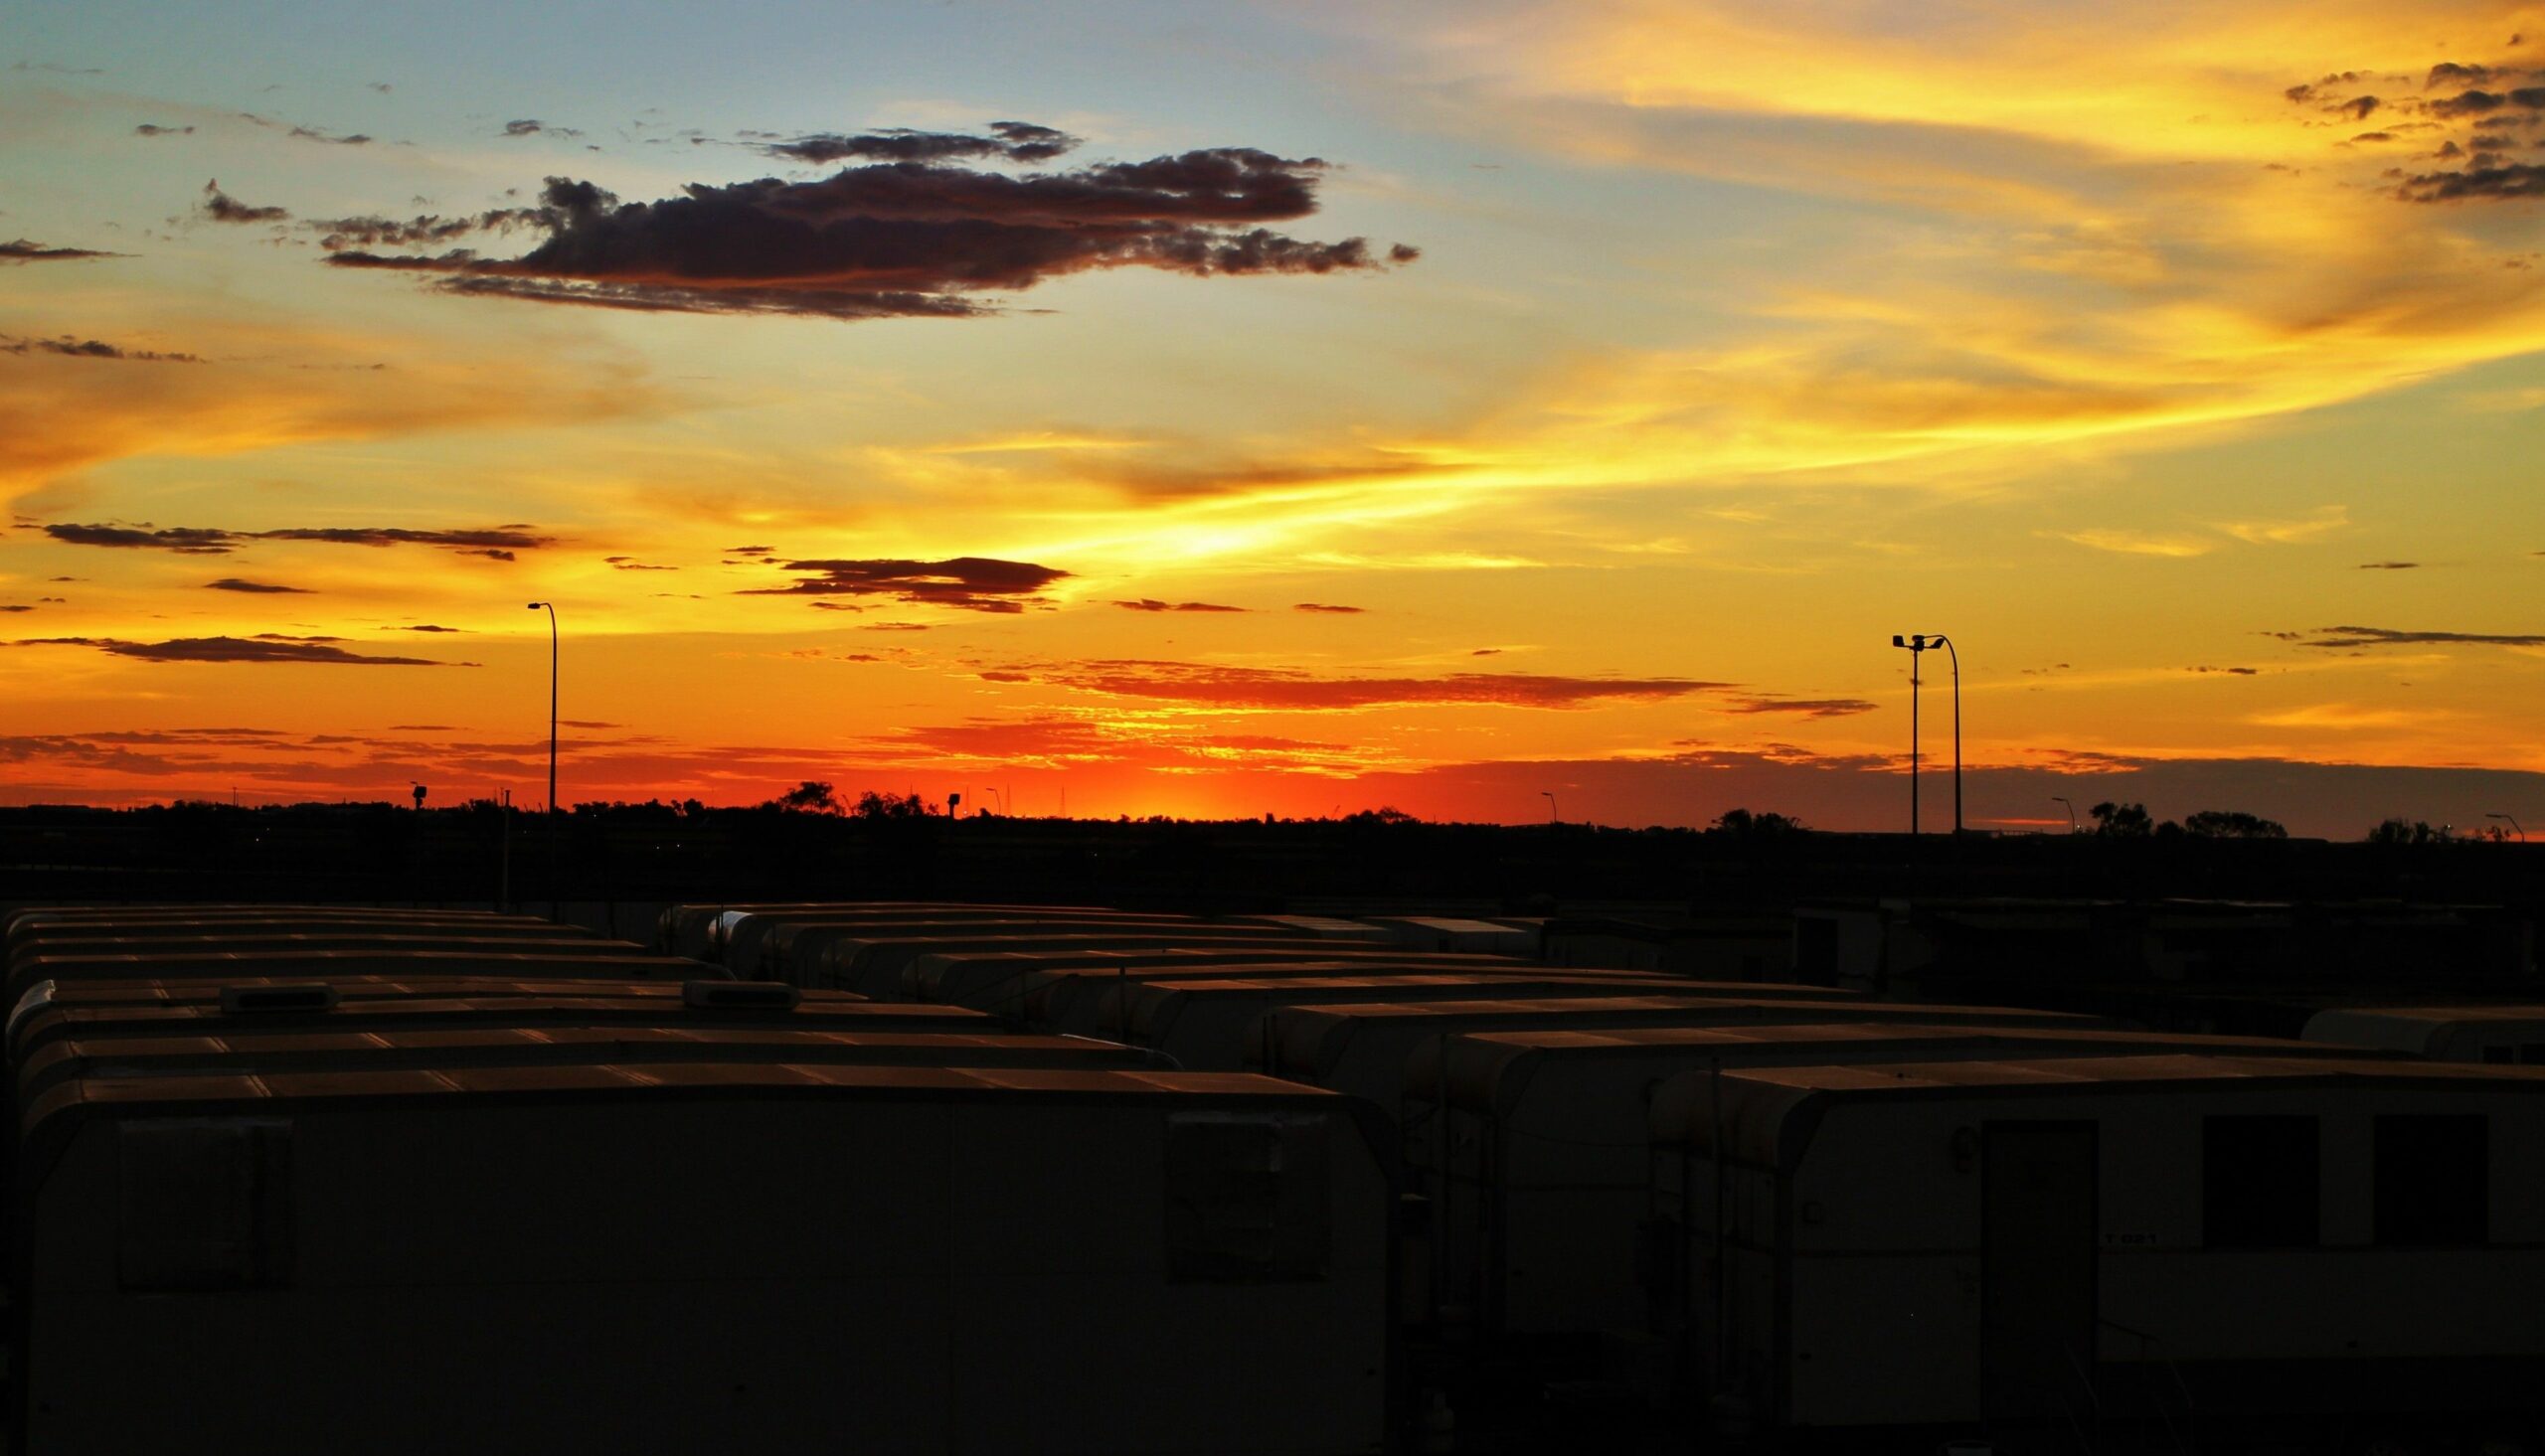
x=550 y=608
x=1917 y=643
x=2513 y=824
x=551 y=700
x=1551 y=816
x=2072 y=809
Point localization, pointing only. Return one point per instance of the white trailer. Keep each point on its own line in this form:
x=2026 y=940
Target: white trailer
x=598 y=963
x=2493 y=1034
x=2159 y=1237
x=39 y=1017
x=1449 y=932
x=1012 y=977
x=1534 y=1145
x=1365 y=1052
x=1204 y=1023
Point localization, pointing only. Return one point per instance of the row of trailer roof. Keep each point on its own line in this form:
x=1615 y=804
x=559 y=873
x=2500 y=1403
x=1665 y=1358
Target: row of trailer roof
x=985 y=1177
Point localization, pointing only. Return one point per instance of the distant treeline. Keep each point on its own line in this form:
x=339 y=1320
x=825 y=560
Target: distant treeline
x=814 y=843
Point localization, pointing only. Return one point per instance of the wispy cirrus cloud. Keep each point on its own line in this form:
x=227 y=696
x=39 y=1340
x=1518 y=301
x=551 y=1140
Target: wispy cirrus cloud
x=2138 y=543
x=262 y=648
x=1803 y=706
x=1152 y=604
x=1285 y=688
x=496 y=541
x=2365 y=637
x=1014 y=141
x=71 y=346
x=21 y=250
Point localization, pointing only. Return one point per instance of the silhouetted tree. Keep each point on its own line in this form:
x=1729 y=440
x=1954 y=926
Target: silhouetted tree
x=2407 y=832
x=872 y=805
x=812 y=796
x=2231 y=824
x=2122 y=821
x=1743 y=824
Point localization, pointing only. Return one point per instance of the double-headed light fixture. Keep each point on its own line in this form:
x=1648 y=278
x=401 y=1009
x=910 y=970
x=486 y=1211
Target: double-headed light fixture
x=1916 y=644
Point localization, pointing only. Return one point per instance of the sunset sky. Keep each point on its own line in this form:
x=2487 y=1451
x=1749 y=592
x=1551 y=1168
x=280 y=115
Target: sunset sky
x=1219 y=409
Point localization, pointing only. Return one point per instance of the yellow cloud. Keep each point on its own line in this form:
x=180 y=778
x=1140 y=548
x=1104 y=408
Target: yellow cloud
x=2137 y=542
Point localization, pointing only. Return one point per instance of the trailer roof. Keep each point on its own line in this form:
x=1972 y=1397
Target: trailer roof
x=658 y=1081
x=265 y=1053
x=31 y=1025
x=2439 y=1016
x=1628 y=1039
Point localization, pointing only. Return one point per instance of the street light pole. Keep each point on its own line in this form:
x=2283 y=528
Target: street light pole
x=2513 y=824
x=1915 y=645
x=1953 y=654
x=551 y=753
x=2072 y=810
x=1553 y=817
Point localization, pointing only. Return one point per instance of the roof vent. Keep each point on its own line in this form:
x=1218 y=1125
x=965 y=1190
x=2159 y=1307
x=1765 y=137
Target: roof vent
x=739 y=994
x=267 y=1000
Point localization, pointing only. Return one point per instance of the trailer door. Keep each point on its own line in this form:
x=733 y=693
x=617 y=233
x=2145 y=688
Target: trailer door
x=2037 y=1270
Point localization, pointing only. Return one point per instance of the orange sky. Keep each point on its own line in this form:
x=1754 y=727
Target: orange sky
x=1297 y=409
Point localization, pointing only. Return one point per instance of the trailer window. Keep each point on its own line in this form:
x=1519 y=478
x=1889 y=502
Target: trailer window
x=1247 y=1199
x=2434 y=1180
x=2258 y=1185
x=203 y=1203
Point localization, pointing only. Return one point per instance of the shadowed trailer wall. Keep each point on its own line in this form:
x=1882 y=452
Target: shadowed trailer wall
x=772 y=1258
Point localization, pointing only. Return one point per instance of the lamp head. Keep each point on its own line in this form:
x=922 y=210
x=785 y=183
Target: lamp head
x=1899 y=641
x=536 y=605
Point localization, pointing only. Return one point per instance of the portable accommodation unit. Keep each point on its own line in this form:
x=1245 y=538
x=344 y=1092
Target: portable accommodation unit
x=2156 y=1237
x=695 y=930
x=703 y=1258
x=266 y=1049
x=743 y=938
x=793 y=946
x=36 y=1021
x=602 y=964
x=1449 y=932
x=48 y=924
x=1076 y=1001
x=1364 y=1052
x=365 y=988
x=366 y=942
x=1331 y=927
x=1534 y=1145
x=2493 y=1034
x=1204 y=1023
x=1008 y=977
x=1752 y=947
x=873 y=965
x=34 y=916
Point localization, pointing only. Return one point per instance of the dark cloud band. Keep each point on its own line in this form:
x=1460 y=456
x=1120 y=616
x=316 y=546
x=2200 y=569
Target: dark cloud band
x=969 y=583
x=498 y=542
x=910 y=236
